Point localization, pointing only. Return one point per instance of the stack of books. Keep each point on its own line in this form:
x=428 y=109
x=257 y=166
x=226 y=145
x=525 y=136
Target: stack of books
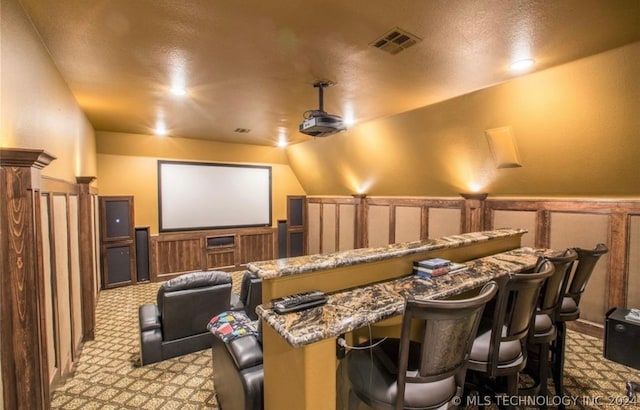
x=633 y=315
x=435 y=267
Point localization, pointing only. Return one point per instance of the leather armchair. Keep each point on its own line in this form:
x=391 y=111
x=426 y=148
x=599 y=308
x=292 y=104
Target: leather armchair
x=177 y=323
x=238 y=373
x=250 y=295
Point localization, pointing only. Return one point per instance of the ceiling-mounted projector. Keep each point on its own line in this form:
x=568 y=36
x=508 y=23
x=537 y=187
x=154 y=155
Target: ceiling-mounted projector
x=318 y=123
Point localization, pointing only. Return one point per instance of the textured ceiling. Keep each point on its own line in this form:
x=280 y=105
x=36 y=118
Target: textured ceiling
x=251 y=64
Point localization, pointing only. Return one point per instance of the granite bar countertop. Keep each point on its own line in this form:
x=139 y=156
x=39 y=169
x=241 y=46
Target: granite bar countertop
x=355 y=308
x=303 y=264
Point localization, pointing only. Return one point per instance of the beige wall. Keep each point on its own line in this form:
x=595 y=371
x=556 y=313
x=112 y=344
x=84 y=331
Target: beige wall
x=127 y=165
x=37 y=108
x=576 y=128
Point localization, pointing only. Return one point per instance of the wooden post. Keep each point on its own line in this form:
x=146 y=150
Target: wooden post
x=86 y=246
x=361 y=232
x=473 y=212
x=25 y=376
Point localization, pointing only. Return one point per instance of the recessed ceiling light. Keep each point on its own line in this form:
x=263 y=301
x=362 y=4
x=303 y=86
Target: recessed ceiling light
x=522 y=65
x=160 y=130
x=178 y=91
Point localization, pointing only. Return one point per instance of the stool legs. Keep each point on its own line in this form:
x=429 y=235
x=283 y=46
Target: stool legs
x=558 y=358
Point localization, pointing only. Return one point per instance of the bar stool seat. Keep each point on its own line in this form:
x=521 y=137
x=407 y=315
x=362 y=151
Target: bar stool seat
x=569 y=310
x=509 y=354
x=544 y=327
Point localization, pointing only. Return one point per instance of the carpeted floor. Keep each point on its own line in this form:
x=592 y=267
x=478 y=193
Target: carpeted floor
x=107 y=375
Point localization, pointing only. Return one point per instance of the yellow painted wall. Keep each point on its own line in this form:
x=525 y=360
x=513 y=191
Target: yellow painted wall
x=577 y=128
x=37 y=108
x=127 y=165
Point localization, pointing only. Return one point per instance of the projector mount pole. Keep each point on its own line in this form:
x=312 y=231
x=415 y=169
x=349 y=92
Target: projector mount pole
x=320 y=86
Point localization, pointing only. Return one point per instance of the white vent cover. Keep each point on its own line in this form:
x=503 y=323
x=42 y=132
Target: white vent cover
x=395 y=40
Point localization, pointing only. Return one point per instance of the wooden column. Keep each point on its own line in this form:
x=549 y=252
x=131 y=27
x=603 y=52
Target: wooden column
x=473 y=212
x=86 y=252
x=25 y=375
x=361 y=232
x=618 y=274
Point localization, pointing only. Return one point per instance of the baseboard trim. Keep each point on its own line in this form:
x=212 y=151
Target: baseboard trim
x=587 y=328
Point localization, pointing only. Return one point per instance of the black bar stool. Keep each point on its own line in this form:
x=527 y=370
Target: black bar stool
x=570 y=308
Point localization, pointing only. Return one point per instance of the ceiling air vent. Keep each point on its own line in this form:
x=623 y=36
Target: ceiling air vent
x=395 y=41
x=242 y=130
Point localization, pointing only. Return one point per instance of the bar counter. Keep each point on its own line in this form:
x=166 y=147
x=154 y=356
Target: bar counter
x=366 y=287
x=349 y=310
x=305 y=264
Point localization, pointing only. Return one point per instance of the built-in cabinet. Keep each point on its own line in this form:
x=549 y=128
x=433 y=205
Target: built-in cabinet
x=172 y=254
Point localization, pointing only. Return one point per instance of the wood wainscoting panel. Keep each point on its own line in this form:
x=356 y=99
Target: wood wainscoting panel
x=347 y=227
x=444 y=222
x=173 y=255
x=314 y=224
x=329 y=228
x=61 y=274
x=408 y=223
x=95 y=217
x=517 y=219
x=257 y=247
x=49 y=290
x=221 y=260
x=633 y=289
x=585 y=230
x=74 y=278
x=378 y=217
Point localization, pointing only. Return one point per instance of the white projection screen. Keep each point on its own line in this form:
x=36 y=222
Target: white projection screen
x=200 y=195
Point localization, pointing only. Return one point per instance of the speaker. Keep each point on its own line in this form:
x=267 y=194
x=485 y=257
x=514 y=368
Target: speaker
x=117 y=265
x=296 y=244
x=296 y=211
x=117 y=214
x=282 y=238
x=142 y=254
x=622 y=338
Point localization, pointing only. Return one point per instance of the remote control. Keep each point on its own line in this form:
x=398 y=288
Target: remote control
x=298 y=301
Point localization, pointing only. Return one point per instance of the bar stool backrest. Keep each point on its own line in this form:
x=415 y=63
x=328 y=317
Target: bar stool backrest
x=554 y=288
x=516 y=303
x=587 y=259
x=450 y=327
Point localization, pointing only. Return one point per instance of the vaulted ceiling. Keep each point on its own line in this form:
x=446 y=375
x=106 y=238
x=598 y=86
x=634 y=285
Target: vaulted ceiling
x=251 y=64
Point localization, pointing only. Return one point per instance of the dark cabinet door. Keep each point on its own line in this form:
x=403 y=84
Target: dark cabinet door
x=117 y=241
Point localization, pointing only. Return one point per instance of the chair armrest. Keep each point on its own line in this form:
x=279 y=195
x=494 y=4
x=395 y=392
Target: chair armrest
x=149 y=317
x=245 y=351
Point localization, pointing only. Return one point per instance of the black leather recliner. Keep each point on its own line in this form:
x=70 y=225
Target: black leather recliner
x=250 y=295
x=238 y=373
x=177 y=324
x=237 y=365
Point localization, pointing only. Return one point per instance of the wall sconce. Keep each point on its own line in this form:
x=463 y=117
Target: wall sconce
x=480 y=196
x=503 y=147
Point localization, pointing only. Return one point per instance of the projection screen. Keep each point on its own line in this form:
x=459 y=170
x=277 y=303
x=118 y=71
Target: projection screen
x=200 y=195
